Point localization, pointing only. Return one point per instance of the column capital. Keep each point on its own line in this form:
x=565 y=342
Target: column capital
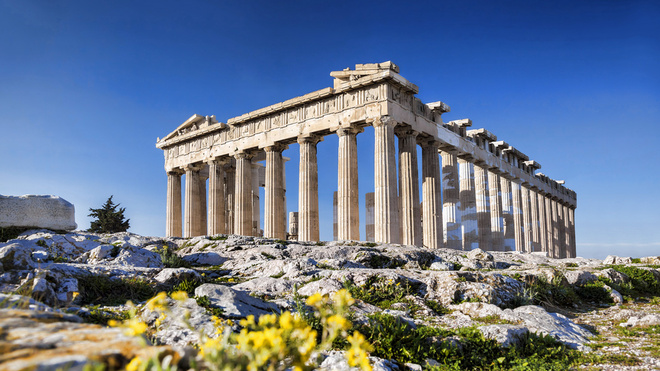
x=383 y=120
x=175 y=171
x=349 y=130
x=217 y=160
x=243 y=155
x=426 y=141
x=309 y=138
x=192 y=167
x=277 y=147
x=405 y=130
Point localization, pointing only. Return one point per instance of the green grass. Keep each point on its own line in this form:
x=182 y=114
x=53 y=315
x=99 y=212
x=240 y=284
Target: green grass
x=380 y=291
x=396 y=340
x=170 y=259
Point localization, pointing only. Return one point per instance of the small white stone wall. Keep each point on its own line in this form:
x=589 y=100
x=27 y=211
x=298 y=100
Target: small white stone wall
x=49 y=212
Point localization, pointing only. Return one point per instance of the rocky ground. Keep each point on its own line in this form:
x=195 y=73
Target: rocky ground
x=60 y=290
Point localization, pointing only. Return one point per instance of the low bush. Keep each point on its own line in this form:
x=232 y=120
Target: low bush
x=102 y=290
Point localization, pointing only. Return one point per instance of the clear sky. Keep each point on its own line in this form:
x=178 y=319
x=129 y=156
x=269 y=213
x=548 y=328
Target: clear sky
x=87 y=86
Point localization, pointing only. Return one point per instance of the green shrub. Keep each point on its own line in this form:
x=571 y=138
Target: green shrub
x=170 y=259
x=380 y=291
x=642 y=282
x=188 y=286
x=102 y=290
x=9 y=233
x=594 y=292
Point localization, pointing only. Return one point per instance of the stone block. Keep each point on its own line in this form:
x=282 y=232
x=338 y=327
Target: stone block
x=49 y=212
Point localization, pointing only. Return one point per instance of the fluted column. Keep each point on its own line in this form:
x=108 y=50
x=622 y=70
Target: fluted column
x=348 y=197
x=216 y=211
x=256 y=204
x=386 y=203
x=467 y=206
x=230 y=207
x=550 y=244
x=543 y=225
x=173 y=222
x=274 y=224
x=308 y=190
x=243 y=195
x=369 y=216
x=192 y=202
x=450 y=200
x=202 y=226
x=507 y=215
x=496 y=219
x=431 y=196
x=483 y=207
x=571 y=219
x=556 y=248
x=518 y=223
x=566 y=231
x=527 y=218
x=534 y=208
x=409 y=212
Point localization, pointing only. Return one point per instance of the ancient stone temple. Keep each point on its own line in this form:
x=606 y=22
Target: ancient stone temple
x=477 y=191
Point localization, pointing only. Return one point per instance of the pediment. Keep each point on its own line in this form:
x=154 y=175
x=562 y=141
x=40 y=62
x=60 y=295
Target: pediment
x=194 y=123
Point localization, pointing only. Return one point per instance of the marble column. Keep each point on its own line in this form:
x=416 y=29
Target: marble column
x=191 y=212
x=571 y=219
x=507 y=215
x=230 y=185
x=534 y=208
x=409 y=212
x=216 y=211
x=173 y=224
x=567 y=232
x=467 y=206
x=543 y=226
x=202 y=226
x=256 y=204
x=555 y=230
x=431 y=196
x=527 y=218
x=483 y=208
x=550 y=244
x=518 y=223
x=308 y=190
x=386 y=205
x=496 y=216
x=334 y=216
x=450 y=200
x=274 y=224
x=293 y=225
x=369 y=216
x=348 y=197
x=243 y=195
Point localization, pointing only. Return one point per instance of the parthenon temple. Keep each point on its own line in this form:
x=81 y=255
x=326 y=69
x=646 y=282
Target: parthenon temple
x=476 y=190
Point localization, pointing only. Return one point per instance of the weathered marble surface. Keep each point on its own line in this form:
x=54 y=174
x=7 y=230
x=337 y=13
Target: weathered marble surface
x=49 y=212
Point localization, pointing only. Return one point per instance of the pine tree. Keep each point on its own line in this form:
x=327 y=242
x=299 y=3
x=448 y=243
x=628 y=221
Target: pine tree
x=108 y=218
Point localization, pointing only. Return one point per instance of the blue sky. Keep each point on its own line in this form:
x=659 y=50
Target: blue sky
x=87 y=86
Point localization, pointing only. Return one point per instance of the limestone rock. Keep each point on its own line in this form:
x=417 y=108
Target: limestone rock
x=579 y=277
x=171 y=276
x=537 y=320
x=266 y=286
x=18 y=254
x=616 y=260
x=323 y=286
x=204 y=258
x=235 y=304
x=505 y=335
x=138 y=257
x=50 y=212
x=335 y=360
x=648 y=320
x=173 y=329
x=651 y=260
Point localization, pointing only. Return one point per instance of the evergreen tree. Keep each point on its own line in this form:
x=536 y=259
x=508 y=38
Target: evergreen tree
x=108 y=218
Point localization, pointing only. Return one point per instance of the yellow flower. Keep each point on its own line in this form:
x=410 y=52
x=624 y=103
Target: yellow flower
x=312 y=300
x=134 y=364
x=343 y=298
x=357 y=354
x=180 y=296
x=158 y=302
x=135 y=327
x=338 y=322
x=160 y=319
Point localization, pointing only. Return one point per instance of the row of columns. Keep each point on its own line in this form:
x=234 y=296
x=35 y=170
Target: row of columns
x=469 y=206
